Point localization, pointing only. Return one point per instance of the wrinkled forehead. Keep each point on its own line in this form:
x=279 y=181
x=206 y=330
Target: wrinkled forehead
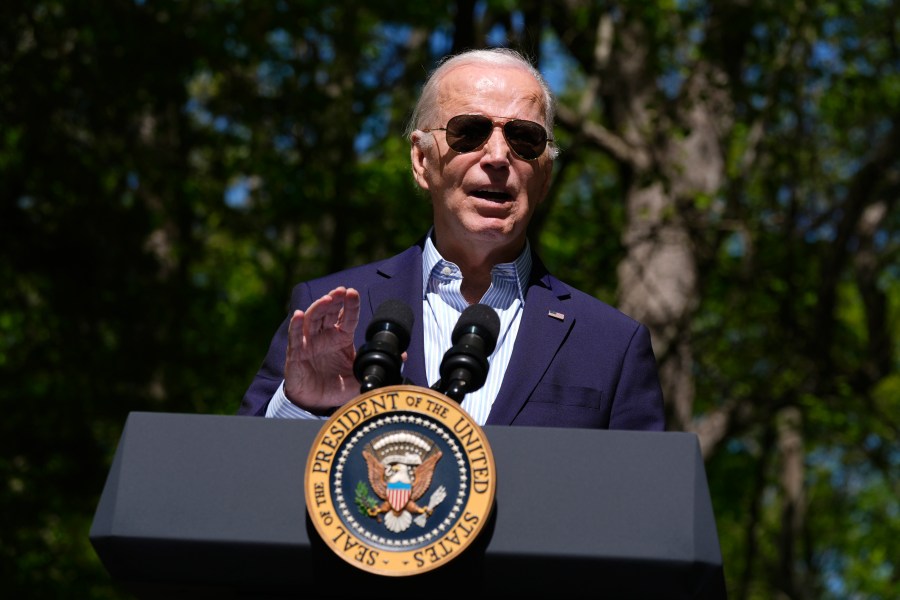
x=494 y=91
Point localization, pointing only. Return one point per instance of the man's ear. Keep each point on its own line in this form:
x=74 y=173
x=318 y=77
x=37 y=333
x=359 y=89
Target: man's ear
x=418 y=154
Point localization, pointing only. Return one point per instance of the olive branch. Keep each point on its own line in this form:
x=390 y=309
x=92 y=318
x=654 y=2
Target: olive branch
x=364 y=500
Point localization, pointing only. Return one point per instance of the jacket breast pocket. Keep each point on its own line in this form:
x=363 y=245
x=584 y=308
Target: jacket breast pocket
x=556 y=405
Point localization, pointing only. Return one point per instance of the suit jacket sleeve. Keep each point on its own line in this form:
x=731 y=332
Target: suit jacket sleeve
x=638 y=401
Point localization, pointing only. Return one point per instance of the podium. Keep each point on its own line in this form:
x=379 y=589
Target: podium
x=213 y=506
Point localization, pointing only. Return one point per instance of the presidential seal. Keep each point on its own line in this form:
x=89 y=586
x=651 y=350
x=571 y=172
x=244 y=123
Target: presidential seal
x=400 y=481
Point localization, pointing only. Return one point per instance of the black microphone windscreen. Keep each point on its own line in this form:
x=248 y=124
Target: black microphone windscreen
x=393 y=312
x=482 y=317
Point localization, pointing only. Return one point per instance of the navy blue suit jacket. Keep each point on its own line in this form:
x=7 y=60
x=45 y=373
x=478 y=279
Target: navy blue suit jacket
x=593 y=367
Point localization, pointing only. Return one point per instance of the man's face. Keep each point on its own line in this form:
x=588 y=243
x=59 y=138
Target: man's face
x=484 y=199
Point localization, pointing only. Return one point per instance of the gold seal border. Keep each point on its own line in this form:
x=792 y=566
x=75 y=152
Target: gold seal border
x=377 y=404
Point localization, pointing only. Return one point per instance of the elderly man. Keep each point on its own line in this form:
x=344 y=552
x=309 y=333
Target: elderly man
x=482 y=150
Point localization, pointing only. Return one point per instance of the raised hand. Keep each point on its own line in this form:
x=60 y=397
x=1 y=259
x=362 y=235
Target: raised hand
x=318 y=370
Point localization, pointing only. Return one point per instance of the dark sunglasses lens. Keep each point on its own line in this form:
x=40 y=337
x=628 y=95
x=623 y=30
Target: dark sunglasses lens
x=527 y=138
x=467 y=132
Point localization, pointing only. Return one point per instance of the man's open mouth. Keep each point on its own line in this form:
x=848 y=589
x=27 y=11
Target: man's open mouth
x=492 y=195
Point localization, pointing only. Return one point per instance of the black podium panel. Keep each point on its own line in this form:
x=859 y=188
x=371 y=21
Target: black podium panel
x=199 y=506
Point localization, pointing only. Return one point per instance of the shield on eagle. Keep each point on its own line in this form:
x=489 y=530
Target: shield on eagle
x=398 y=494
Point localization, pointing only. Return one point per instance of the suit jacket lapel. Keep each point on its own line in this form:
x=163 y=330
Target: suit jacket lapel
x=543 y=329
x=401 y=278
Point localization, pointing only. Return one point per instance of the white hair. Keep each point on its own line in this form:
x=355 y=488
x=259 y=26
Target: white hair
x=425 y=112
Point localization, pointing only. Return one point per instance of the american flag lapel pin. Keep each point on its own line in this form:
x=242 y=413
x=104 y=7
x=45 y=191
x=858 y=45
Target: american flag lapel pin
x=556 y=315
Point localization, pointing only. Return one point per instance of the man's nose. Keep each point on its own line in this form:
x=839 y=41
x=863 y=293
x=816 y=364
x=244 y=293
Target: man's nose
x=496 y=148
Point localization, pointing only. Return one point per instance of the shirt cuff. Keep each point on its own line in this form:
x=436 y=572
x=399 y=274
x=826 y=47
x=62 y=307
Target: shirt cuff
x=282 y=408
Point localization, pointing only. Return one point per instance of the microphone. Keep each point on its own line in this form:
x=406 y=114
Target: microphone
x=378 y=361
x=465 y=366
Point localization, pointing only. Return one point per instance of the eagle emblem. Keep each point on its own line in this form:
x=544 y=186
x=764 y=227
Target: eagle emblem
x=400 y=468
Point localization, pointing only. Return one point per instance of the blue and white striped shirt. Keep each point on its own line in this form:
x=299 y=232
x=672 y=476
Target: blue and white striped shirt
x=442 y=305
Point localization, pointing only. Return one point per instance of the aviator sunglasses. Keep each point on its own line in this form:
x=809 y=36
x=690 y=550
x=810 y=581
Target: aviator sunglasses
x=466 y=133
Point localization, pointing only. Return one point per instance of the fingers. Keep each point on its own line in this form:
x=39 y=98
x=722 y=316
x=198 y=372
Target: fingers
x=318 y=314
x=320 y=353
x=338 y=309
x=350 y=315
x=295 y=330
x=293 y=357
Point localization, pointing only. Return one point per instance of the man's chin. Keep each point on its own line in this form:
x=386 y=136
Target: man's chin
x=490 y=229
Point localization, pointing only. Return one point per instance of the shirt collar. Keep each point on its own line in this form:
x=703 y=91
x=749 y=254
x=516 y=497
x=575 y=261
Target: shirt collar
x=431 y=259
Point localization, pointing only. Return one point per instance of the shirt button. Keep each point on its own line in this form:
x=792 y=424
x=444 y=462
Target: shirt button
x=446 y=271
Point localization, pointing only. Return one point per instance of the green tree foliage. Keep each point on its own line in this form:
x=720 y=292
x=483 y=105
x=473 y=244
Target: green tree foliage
x=168 y=170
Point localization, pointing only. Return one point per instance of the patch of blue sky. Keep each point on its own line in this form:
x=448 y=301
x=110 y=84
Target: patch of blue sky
x=497 y=36
x=375 y=127
x=827 y=57
x=237 y=194
x=197 y=111
x=283 y=142
x=736 y=245
x=271 y=75
x=557 y=65
x=440 y=42
x=384 y=66
x=282 y=44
